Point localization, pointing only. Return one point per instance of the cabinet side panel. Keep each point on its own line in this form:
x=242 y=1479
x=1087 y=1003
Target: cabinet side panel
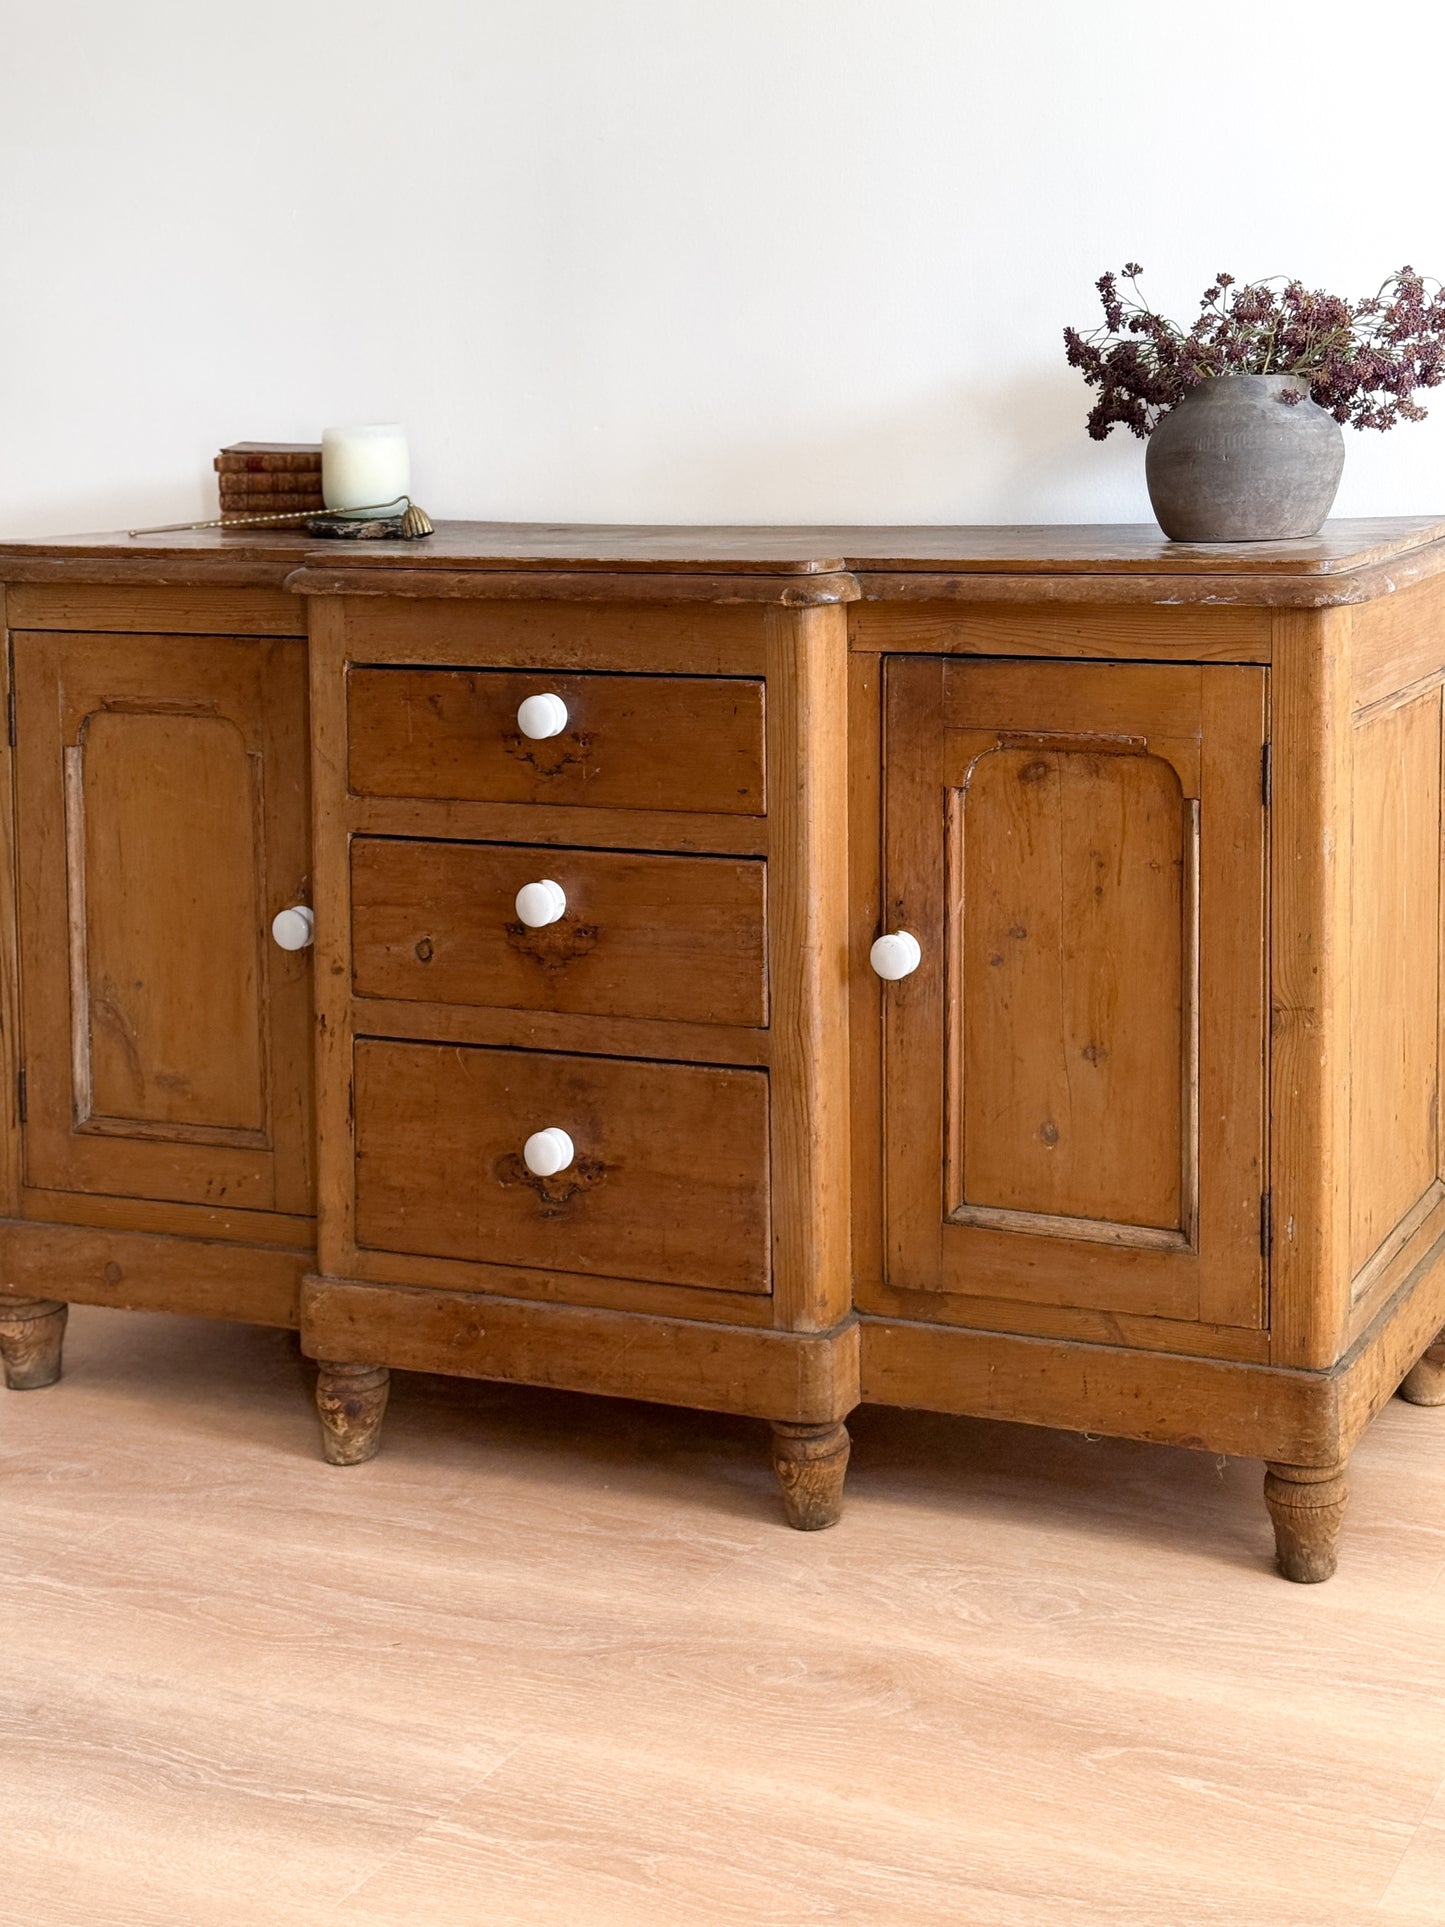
x=1397 y=643
x=1394 y=970
x=10 y=1170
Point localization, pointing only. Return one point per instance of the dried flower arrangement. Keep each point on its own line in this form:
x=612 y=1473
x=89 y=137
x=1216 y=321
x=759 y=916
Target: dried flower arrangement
x=1363 y=359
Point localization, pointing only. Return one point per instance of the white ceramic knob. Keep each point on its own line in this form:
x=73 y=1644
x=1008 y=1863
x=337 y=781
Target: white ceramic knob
x=541 y=903
x=293 y=929
x=542 y=716
x=896 y=955
x=547 y=1152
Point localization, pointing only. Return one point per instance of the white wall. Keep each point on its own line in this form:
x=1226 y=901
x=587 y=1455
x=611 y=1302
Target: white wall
x=676 y=260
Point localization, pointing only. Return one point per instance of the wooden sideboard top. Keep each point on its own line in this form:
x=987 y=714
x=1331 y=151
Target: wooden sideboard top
x=1102 y=562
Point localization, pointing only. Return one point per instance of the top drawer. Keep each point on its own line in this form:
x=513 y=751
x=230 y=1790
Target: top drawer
x=629 y=742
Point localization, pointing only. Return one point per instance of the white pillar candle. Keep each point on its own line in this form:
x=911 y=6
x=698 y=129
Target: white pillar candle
x=362 y=466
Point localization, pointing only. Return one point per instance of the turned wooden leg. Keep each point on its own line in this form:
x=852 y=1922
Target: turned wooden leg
x=351 y=1401
x=810 y=1461
x=31 y=1332
x=1424 y=1383
x=1307 y=1504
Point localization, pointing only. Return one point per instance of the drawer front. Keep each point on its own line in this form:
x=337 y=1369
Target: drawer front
x=669 y=1182
x=629 y=742
x=669 y=937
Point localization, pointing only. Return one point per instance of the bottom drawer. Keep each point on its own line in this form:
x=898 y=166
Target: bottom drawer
x=669 y=1182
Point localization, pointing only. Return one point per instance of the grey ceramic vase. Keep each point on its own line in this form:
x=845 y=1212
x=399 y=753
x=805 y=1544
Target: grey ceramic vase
x=1236 y=462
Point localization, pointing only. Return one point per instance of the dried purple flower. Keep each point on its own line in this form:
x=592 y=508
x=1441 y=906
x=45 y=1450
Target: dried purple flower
x=1364 y=359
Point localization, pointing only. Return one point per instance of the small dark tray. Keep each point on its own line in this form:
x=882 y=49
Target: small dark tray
x=339 y=528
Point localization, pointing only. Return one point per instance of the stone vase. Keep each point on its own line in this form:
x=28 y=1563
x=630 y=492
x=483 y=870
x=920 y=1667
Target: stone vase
x=1236 y=462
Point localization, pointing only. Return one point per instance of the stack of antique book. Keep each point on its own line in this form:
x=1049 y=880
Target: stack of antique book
x=269 y=478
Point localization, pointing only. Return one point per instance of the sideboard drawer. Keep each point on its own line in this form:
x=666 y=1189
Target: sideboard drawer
x=678 y=938
x=669 y=1181
x=627 y=742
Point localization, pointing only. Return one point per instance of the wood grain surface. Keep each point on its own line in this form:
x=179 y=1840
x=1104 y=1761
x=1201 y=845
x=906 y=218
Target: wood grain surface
x=742 y=570
x=670 y=937
x=553 y=1658
x=1072 y=996
x=802 y=1377
x=143 y=1270
x=1126 y=1203
x=740 y=588
x=1177 y=631
x=809 y=1098
x=631 y=742
x=1103 y=548
x=1395 y=978
x=162 y=820
x=11 y=1160
x=677 y=831
x=119 y=610
x=1397 y=643
x=1080 y=1051
x=669 y=1181
x=519 y=632
x=1309 y=965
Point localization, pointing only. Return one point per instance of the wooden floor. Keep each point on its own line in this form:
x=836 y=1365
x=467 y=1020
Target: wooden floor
x=555 y=1660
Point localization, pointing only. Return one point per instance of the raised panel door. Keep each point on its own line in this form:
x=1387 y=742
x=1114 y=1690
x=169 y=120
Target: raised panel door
x=1074 y=1076
x=161 y=801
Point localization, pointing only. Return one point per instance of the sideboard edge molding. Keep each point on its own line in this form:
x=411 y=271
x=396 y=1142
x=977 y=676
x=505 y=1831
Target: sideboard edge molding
x=1284 y=591
x=621 y=585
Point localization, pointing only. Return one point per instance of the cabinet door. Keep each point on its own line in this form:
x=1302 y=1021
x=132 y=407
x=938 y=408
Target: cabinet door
x=1074 y=1081
x=161 y=801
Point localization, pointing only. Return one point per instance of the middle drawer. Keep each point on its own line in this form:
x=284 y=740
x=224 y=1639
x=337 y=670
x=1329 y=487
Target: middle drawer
x=676 y=938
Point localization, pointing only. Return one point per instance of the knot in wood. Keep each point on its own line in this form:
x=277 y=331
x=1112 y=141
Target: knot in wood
x=558 y=1191
x=550 y=755
x=554 y=945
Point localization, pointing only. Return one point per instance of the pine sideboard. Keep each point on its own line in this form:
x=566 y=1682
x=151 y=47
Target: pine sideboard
x=991 y=970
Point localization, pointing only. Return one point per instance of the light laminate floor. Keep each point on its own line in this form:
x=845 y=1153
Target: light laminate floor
x=553 y=1660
